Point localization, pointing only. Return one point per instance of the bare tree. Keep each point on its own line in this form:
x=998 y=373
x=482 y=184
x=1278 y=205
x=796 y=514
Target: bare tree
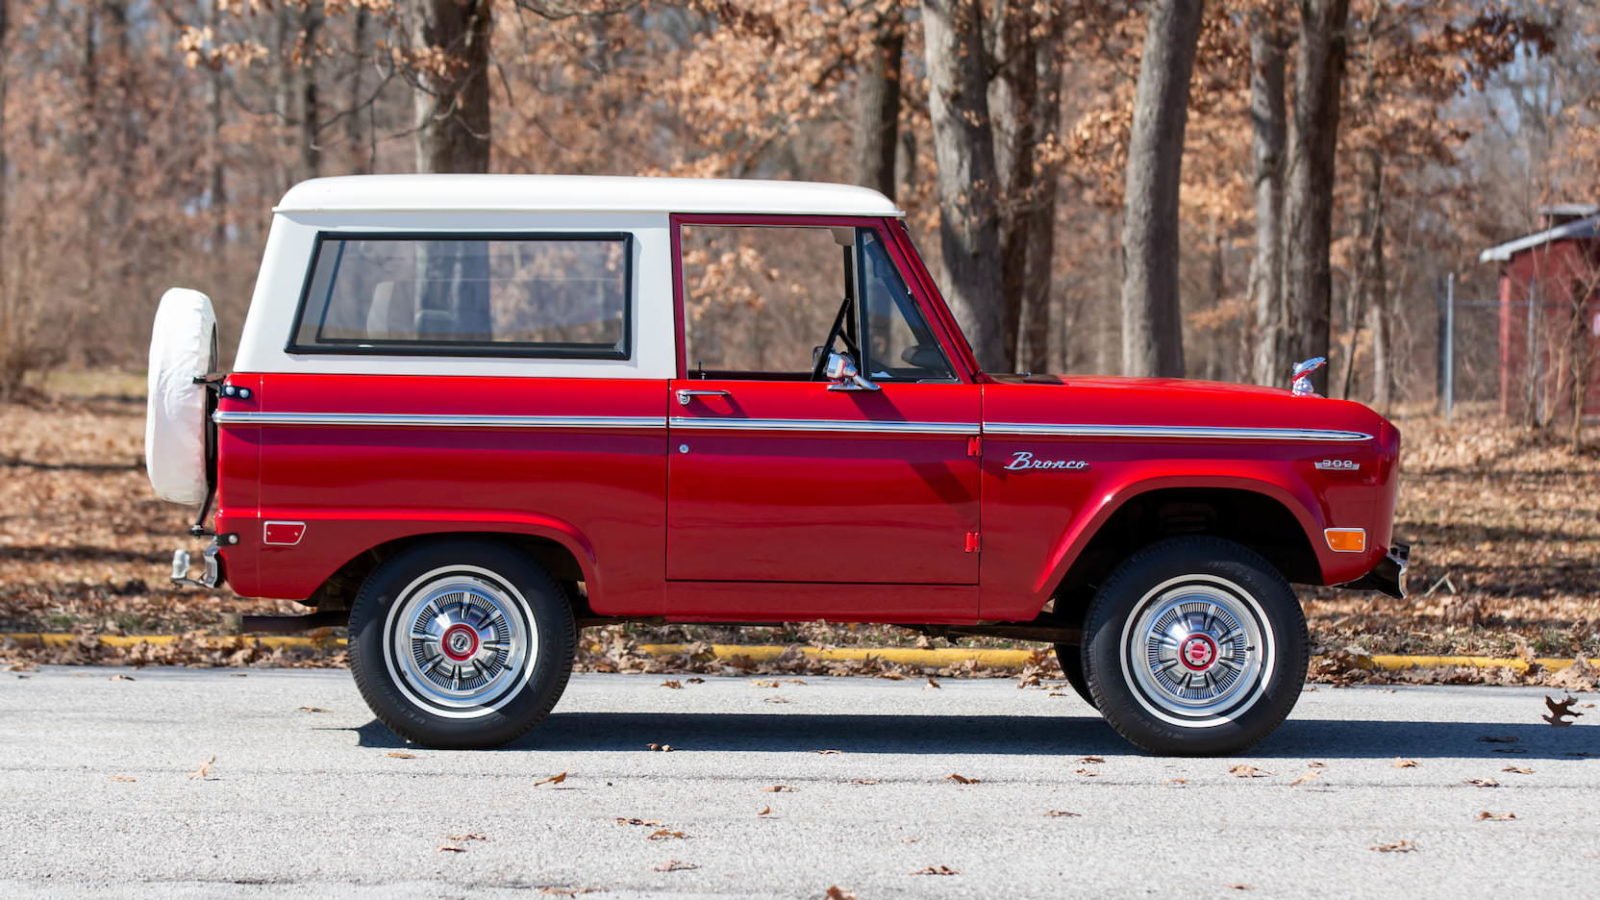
x=1269 y=130
x=1152 y=328
x=878 y=102
x=963 y=146
x=1319 y=77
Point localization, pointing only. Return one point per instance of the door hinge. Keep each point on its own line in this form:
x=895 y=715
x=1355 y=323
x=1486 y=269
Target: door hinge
x=975 y=447
x=972 y=542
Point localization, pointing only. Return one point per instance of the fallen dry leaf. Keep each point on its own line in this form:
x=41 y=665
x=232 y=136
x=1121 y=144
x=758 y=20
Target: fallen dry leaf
x=469 y=836
x=451 y=848
x=1309 y=776
x=934 y=683
x=1087 y=773
x=1092 y=760
x=1316 y=764
x=672 y=683
x=1405 y=763
x=775 y=699
x=1240 y=887
x=673 y=865
x=553 y=779
x=936 y=870
x=1518 y=770
x=124 y=778
x=961 y=779
x=1062 y=814
x=1177 y=781
x=554 y=891
x=1244 y=771
x=863 y=781
x=765 y=811
x=400 y=754
x=1561 y=713
x=659 y=748
x=312 y=709
x=779 y=789
x=652 y=823
x=765 y=683
x=204 y=772
x=829 y=752
x=1487 y=816
x=1396 y=847
x=121 y=677
x=1483 y=782
x=838 y=893
x=695 y=680
x=665 y=834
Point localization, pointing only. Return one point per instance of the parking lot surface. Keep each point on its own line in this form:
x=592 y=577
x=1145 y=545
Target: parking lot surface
x=227 y=783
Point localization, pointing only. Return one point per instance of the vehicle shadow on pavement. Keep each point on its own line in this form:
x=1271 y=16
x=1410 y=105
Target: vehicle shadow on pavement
x=1010 y=735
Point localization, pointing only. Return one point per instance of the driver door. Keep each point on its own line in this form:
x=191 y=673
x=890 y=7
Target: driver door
x=778 y=475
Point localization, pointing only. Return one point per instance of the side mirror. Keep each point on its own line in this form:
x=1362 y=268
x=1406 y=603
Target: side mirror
x=841 y=370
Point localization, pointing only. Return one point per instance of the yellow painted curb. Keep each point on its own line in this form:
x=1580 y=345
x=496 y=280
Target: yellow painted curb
x=908 y=656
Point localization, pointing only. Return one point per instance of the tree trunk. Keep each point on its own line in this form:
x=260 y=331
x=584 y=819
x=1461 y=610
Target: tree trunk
x=878 y=103
x=453 y=109
x=1033 y=344
x=1269 y=139
x=1372 y=277
x=218 y=175
x=1013 y=101
x=1319 y=74
x=311 y=20
x=963 y=146
x=363 y=149
x=1152 y=327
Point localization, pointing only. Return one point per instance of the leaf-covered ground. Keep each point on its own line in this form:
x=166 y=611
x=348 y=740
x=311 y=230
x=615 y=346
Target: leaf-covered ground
x=1505 y=524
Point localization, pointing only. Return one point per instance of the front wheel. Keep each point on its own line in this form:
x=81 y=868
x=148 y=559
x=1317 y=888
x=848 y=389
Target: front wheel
x=1195 y=646
x=461 y=644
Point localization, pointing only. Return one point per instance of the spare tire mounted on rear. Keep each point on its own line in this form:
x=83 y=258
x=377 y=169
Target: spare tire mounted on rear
x=183 y=350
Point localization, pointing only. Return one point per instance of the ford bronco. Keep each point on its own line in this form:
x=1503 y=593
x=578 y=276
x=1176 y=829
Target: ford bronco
x=472 y=414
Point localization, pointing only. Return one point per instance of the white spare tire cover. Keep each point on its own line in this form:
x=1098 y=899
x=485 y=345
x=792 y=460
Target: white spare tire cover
x=182 y=348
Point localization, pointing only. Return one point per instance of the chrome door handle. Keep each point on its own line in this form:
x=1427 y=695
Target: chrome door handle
x=687 y=394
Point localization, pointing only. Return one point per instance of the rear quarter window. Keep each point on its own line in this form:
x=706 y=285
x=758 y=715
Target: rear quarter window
x=563 y=296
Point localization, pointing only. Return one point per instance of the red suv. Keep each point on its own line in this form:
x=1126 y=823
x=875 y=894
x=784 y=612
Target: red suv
x=475 y=413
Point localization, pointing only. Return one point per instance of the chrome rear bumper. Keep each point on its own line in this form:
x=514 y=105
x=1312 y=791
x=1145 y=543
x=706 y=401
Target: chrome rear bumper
x=1389 y=575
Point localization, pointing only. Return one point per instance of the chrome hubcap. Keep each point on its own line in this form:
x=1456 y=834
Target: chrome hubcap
x=1197 y=648
x=460 y=641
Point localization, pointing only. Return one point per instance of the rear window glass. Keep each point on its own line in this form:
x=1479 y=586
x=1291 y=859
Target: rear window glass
x=562 y=296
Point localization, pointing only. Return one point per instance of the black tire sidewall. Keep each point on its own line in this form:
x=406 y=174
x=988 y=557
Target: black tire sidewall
x=1120 y=597
x=546 y=609
x=1070 y=657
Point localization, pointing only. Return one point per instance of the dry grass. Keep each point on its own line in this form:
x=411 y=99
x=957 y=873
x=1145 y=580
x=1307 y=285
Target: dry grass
x=1504 y=520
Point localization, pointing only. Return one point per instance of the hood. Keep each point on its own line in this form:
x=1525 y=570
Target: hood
x=1111 y=400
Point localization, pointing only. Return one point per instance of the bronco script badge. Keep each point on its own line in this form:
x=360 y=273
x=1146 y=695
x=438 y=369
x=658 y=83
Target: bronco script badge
x=1022 y=459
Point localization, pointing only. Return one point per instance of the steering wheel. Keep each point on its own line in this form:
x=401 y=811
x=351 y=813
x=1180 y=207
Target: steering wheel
x=836 y=333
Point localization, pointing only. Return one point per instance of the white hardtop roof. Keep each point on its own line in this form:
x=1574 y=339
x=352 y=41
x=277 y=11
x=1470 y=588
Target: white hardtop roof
x=580 y=193
x=1580 y=228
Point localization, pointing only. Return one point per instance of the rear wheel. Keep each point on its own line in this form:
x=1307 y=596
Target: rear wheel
x=1195 y=646
x=461 y=644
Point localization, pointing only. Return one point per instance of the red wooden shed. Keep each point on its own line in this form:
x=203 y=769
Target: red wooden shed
x=1550 y=315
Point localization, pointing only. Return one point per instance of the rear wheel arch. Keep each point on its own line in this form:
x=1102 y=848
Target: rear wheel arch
x=1260 y=522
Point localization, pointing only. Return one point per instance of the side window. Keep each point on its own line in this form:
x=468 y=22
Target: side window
x=765 y=302
x=563 y=296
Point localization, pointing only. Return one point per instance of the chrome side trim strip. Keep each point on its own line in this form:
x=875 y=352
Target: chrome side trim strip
x=383 y=420
x=828 y=425
x=1191 y=432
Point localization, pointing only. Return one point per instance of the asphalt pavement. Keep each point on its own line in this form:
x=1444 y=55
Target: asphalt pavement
x=227 y=783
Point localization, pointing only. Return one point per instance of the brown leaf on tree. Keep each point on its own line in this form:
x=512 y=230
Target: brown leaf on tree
x=400 y=754
x=1518 y=770
x=1483 y=782
x=936 y=870
x=673 y=865
x=665 y=834
x=1246 y=771
x=1396 y=847
x=203 y=773
x=961 y=779
x=1487 y=816
x=553 y=779
x=1405 y=763
x=1561 y=713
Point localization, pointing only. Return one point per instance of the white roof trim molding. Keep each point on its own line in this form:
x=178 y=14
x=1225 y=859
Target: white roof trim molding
x=580 y=193
x=1582 y=228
